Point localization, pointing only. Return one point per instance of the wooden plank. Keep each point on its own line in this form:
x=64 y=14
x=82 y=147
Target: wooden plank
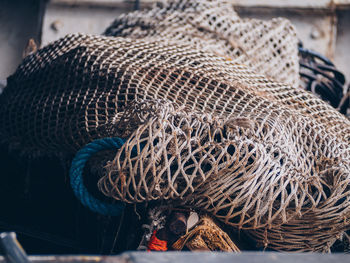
x=285 y=3
x=195 y=257
x=315 y=4
x=99 y=3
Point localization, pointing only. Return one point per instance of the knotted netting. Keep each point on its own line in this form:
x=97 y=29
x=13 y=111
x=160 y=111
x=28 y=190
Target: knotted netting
x=202 y=131
x=267 y=47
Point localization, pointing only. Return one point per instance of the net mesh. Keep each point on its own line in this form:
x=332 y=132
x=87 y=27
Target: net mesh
x=203 y=131
x=267 y=47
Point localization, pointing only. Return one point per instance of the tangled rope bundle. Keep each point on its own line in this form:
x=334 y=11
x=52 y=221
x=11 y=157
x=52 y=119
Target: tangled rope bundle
x=200 y=130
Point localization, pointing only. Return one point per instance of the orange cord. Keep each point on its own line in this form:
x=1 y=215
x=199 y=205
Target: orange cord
x=156 y=244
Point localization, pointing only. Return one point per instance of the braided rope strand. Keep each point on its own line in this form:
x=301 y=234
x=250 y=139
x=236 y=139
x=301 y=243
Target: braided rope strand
x=76 y=176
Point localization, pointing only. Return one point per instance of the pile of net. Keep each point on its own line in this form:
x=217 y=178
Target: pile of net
x=202 y=130
x=267 y=47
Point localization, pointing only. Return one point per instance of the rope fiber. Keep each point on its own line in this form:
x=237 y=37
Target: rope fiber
x=77 y=182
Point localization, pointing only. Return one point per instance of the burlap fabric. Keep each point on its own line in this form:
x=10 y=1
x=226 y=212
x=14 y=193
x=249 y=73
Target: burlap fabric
x=202 y=131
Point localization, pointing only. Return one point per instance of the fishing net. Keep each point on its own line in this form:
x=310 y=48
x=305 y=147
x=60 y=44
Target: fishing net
x=267 y=47
x=202 y=131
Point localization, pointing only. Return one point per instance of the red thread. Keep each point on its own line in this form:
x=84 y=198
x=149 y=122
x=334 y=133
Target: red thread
x=156 y=244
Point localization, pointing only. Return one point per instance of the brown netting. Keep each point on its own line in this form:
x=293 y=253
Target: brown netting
x=267 y=47
x=203 y=132
x=202 y=129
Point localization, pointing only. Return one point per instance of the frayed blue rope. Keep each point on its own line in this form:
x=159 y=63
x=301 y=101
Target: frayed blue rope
x=76 y=176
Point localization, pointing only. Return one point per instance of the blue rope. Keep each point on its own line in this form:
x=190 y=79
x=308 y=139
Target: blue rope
x=76 y=176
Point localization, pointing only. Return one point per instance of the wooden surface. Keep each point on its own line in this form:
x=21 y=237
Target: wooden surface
x=197 y=257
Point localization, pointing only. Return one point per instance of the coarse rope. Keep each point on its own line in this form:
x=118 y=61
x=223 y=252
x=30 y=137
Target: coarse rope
x=76 y=176
x=155 y=244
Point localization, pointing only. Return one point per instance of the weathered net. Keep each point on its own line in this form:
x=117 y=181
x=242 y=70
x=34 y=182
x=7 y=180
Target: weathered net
x=202 y=131
x=267 y=47
x=208 y=133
